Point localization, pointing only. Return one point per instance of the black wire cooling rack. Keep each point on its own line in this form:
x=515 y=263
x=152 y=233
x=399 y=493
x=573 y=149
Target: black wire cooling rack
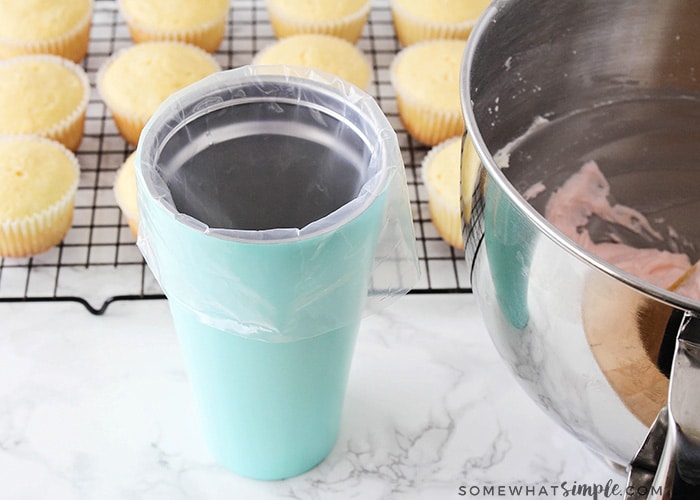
x=98 y=262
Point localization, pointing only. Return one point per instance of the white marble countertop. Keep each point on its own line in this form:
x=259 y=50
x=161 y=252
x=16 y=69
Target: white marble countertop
x=100 y=408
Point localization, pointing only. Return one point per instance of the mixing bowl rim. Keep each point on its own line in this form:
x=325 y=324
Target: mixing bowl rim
x=487 y=162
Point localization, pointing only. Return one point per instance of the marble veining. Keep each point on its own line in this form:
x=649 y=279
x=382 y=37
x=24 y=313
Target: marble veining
x=100 y=408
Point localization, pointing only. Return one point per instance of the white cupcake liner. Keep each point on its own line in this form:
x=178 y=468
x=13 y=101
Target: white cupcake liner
x=447 y=222
x=260 y=56
x=35 y=233
x=132 y=217
x=348 y=27
x=68 y=131
x=412 y=29
x=207 y=36
x=446 y=216
x=470 y=165
x=72 y=45
x=129 y=126
x=129 y=122
x=430 y=156
x=426 y=125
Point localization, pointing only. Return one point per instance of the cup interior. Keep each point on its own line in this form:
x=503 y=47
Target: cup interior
x=263 y=165
x=273 y=153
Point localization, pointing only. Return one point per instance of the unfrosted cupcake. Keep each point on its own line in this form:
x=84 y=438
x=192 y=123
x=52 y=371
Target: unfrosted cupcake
x=44 y=95
x=59 y=27
x=469 y=165
x=125 y=193
x=441 y=176
x=418 y=20
x=38 y=181
x=323 y=52
x=199 y=22
x=425 y=77
x=341 y=18
x=136 y=80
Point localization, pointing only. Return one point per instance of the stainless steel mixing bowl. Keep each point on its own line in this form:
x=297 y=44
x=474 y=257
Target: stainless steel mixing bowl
x=615 y=82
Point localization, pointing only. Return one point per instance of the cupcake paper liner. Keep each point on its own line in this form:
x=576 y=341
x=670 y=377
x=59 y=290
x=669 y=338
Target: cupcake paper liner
x=426 y=125
x=132 y=218
x=207 y=36
x=133 y=225
x=38 y=232
x=349 y=27
x=448 y=222
x=446 y=217
x=35 y=235
x=68 y=131
x=470 y=164
x=411 y=29
x=72 y=45
x=129 y=126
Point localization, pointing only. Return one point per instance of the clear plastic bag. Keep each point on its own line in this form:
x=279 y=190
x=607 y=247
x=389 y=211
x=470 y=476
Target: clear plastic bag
x=273 y=203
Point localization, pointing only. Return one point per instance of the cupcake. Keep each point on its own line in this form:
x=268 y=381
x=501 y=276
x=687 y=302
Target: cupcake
x=322 y=52
x=199 y=22
x=418 y=20
x=136 y=80
x=341 y=18
x=425 y=77
x=38 y=181
x=470 y=164
x=125 y=193
x=440 y=171
x=59 y=27
x=44 y=95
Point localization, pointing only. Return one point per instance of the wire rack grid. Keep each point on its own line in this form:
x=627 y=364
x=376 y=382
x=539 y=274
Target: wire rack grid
x=98 y=262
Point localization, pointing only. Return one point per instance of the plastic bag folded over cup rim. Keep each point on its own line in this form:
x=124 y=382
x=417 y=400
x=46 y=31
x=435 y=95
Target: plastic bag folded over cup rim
x=245 y=308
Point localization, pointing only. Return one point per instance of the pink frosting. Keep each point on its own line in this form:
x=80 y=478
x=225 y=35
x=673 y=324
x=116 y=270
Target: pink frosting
x=585 y=194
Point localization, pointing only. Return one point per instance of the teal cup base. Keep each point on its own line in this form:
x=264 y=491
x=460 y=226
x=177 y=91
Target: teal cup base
x=270 y=204
x=270 y=410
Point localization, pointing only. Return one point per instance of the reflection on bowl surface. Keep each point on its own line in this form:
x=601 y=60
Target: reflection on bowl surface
x=588 y=341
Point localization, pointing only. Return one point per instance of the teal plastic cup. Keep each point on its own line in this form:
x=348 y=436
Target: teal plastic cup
x=263 y=199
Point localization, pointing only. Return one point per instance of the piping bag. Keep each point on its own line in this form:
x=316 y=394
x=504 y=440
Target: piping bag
x=267 y=277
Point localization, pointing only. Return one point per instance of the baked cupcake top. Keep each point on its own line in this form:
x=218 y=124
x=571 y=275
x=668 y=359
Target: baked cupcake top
x=138 y=79
x=443 y=11
x=173 y=15
x=322 y=52
x=428 y=72
x=40 y=93
x=31 y=20
x=125 y=187
x=318 y=10
x=35 y=175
